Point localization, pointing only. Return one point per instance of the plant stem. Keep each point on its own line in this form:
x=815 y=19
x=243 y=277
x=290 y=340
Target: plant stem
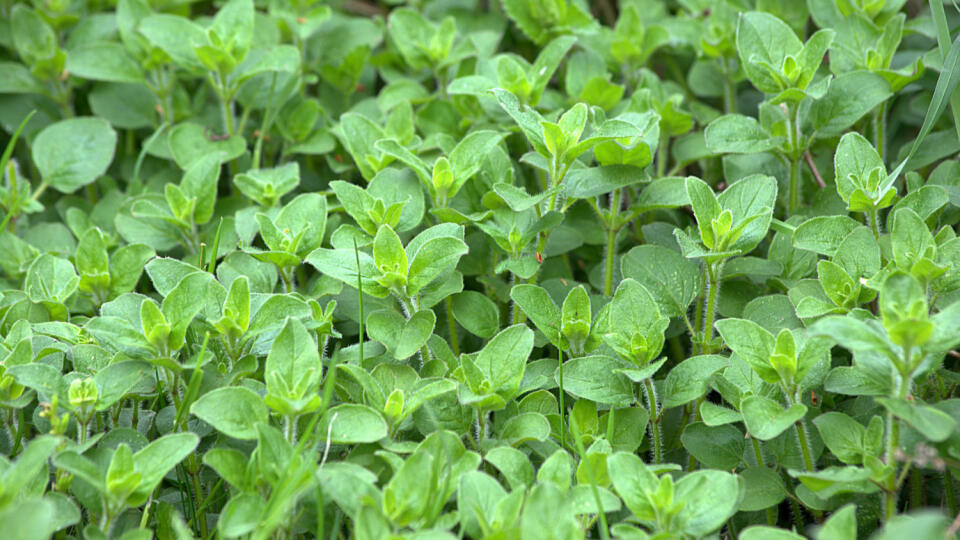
x=893 y=439
x=409 y=309
x=874 y=218
x=655 y=433
x=950 y=493
x=611 y=251
x=794 y=156
x=771 y=511
x=804 y=445
x=729 y=89
x=198 y=495
x=662 y=154
x=713 y=290
x=879 y=121
x=563 y=426
x=794 y=195
x=452 y=326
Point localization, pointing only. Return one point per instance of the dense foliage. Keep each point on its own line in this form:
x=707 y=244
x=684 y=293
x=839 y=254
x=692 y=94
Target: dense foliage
x=479 y=269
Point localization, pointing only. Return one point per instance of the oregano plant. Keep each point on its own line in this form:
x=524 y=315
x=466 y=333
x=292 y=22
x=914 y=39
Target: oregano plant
x=485 y=269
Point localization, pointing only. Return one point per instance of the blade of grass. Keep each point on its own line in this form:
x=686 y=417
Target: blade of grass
x=943 y=42
x=946 y=84
x=7 y=152
x=216 y=247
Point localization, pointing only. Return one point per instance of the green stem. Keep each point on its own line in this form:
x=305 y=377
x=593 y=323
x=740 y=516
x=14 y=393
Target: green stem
x=804 y=445
x=452 y=326
x=793 y=138
x=409 y=309
x=563 y=425
x=655 y=433
x=873 y=216
x=611 y=251
x=758 y=453
x=916 y=489
x=713 y=290
x=794 y=195
x=729 y=88
x=879 y=122
x=950 y=493
x=198 y=495
x=662 y=154
x=893 y=440
x=798 y=519
x=44 y=184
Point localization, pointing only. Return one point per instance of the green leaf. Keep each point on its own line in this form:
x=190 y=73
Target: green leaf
x=292 y=369
x=402 y=337
x=155 y=460
x=763 y=532
x=765 y=418
x=673 y=280
x=35 y=518
x=841 y=524
x=595 y=378
x=467 y=157
x=547 y=508
x=267 y=186
x=763 y=43
x=528 y=119
x=525 y=427
x=73 y=153
x=477 y=496
x=851 y=333
x=104 y=61
x=476 y=313
x=51 y=280
x=341 y=264
x=755 y=195
x=763 y=488
x=810 y=58
x=240 y=515
x=540 y=308
x=719 y=447
x=849 y=97
x=234 y=411
x=575 y=316
x=842 y=435
x=593 y=181
x=434 y=257
x=854 y=160
x=504 y=357
x=705 y=207
x=200 y=182
x=934 y=424
x=190 y=142
x=711 y=498
x=351 y=423
x=823 y=234
x=388 y=253
x=174 y=35
x=739 y=134
x=752 y=343
x=33 y=38
x=688 y=380
x=633 y=481
x=185 y=302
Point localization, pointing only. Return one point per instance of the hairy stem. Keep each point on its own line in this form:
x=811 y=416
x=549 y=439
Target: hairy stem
x=655 y=434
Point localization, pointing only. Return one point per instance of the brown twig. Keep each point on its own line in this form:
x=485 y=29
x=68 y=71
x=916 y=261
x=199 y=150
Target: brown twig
x=363 y=8
x=606 y=9
x=813 y=169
